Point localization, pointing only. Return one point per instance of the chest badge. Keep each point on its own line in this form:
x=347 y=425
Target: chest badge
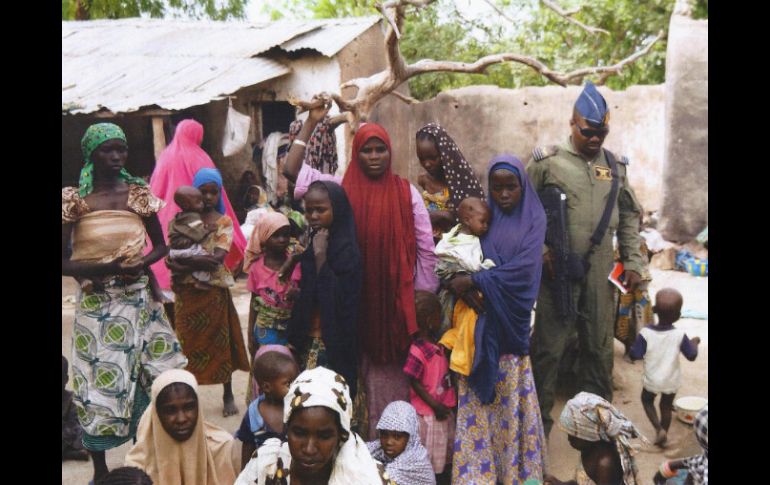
x=602 y=173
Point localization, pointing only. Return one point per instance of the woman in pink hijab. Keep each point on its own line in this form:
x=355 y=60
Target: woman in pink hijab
x=177 y=166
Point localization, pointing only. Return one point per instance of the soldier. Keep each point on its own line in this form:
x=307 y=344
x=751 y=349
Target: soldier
x=584 y=172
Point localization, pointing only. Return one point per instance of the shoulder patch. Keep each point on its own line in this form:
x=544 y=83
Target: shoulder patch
x=541 y=153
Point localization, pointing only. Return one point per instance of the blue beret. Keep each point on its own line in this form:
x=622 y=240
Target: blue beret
x=592 y=106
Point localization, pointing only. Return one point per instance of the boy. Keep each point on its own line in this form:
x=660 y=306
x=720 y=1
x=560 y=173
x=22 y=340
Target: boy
x=274 y=373
x=660 y=345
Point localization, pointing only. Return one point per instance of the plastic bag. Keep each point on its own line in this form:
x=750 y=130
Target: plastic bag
x=236 y=132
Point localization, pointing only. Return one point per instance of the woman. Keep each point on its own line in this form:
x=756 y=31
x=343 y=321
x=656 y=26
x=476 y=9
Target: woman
x=175 y=445
x=395 y=240
x=206 y=320
x=121 y=339
x=176 y=166
x=320 y=447
x=603 y=436
x=499 y=435
x=449 y=178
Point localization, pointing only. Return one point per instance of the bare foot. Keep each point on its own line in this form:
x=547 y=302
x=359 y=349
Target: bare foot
x=230 y=407
x=661 y=438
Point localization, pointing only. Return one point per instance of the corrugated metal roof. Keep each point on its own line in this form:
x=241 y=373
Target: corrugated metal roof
x=125 y=65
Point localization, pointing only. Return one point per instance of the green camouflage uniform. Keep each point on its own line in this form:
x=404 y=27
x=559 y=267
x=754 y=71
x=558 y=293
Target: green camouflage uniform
x=587 y=186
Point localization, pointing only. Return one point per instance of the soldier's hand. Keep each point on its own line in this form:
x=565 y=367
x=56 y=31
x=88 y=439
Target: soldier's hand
x=548 y=264
x=631 y=279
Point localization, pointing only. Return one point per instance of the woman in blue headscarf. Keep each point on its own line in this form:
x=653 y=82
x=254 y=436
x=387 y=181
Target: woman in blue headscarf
x=206 y=320
x=499 y=435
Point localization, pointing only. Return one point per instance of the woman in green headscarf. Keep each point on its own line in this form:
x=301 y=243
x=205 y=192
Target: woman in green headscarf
x=121 y=338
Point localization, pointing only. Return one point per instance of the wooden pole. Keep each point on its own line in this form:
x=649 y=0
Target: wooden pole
x=158 y=136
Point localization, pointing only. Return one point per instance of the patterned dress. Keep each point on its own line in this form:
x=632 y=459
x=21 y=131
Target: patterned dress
x=502 y=442
x=121 y=339
x=207 y=323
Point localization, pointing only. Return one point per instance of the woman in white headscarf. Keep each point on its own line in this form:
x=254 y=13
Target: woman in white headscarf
x=410 y=465
x=320 y=446
x=175 y=445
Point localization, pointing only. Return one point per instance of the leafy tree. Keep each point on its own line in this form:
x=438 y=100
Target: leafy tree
x=115 y=9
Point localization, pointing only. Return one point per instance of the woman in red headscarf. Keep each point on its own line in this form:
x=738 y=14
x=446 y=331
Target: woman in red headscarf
x=396 y=243
x=177 y=166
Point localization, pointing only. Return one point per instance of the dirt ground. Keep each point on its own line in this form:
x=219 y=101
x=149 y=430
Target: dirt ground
x=562 y=460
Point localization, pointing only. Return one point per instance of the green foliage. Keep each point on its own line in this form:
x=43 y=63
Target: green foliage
x=115 y=9
x=440 y=32
x=701 y=9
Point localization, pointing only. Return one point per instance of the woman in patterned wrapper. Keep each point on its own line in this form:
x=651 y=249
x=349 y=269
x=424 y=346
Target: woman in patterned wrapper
x=121 y=338
x=206 y=320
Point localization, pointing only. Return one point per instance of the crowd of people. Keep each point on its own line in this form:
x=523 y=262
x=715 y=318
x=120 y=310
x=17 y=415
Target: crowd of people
x=389 y=326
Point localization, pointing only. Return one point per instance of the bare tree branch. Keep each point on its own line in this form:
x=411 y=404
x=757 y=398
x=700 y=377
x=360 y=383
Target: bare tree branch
x=403 y=97
x=567 y=15
x=370 y=90
x=499 y=11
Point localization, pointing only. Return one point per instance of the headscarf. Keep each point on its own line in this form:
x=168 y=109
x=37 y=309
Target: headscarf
x=413 y=465
x=265 y=227
x=177 y=166
x=385 y=228
x=592 y=106
x=94 y=136
x=592 y=418
x=204 y=459
x=515 y=244
x=317 y=387
x=459 y=175
x=321 y=150
x=335 y=290
x=208 y=176
x=698 y=465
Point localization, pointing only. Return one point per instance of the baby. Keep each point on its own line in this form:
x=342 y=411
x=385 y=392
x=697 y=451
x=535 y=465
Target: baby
x=459 y=251
x=186 y=231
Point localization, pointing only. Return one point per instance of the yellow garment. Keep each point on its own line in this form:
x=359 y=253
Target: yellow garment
x=206 y=458
x=459 y=338
x=105 y=235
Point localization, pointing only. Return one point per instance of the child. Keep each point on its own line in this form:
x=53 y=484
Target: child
x=697 y=466
x=272 y=298
x=399 y=449
x=441 y=222
x=274 y=372
x=186 y=231
x=71 y=432
x=324 y=320
x=602 y=434
x=459 y=251
x=431 y=393
x=660 y=345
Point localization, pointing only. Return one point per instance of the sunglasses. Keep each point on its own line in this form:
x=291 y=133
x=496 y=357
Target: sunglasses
x=590 y=132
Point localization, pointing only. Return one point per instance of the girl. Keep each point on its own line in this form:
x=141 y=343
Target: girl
x=323 y=326
x=272 y=298
x=206 y=320
x=449 y=178
x=399 y=448
x=175 y=444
